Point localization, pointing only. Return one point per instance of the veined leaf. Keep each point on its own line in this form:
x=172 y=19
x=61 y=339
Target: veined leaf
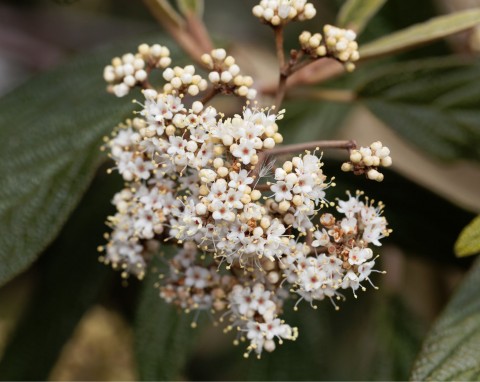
x=431 y=30
x=162 y=334
x=451 y=350
x=51 y=130
x=71 y=280
x=355 y=14
x=433 y=103
x=468 y=242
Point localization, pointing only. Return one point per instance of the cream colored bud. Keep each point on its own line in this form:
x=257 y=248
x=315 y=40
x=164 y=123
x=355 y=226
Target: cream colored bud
x=229 y=61
x=218 y=162
x=284 y=206
x=368 y=160
x=201 y=209
x=373 y=174
x=192 y=146
x=297 y=200
x=265 y=222
x=254 y=159
x=273 y=277
x=222 y=171
x=376 y=145
x=386 y=162
x=203 y=190
x=214 y=77
x=207 y=59
x=227 y=140
x=297 y=162
x=218 y=150
x=170 y=130
x=255 y=195
x=289 y=219
x=143 y=49
x=355 y=156
x=278 y=138
x=269 y=143
x=226 y=77
x=379 y=177
x=193 y=90
x=347 y=167
x=288 y=166
x=245 y=199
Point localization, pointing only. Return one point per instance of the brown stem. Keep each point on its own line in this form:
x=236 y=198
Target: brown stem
x=199 y=32
x=283 y=70
x=280 y=150
x=179 y=33
x=212 y=93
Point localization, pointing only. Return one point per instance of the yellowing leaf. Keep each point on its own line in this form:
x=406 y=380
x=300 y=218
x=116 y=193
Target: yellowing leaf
x=422 y=33
x=468 y=242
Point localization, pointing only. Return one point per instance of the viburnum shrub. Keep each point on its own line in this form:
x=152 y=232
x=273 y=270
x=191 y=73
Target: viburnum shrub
x=252 y=230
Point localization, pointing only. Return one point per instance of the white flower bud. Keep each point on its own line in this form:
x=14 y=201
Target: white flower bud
x=214 y=77
x=201 y=209
x=207 y=175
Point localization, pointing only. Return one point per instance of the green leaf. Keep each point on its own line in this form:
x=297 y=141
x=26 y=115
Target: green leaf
x=433 y=103
x=468 y=242
x=309 y=120
x=191 y=6
x=418 y=34
x=50 y=134
x=163 y=334
x=355 y=14
x=71 y=280
x=451 y=350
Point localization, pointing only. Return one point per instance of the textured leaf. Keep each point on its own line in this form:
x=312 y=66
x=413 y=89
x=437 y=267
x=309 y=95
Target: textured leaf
x=51 y=130
x=421 y=33
x=433 y=103
x=451 y=350
x=468 y=242
x=71 y=280
x=355 y=14
x=312 y=120
x=162 y=334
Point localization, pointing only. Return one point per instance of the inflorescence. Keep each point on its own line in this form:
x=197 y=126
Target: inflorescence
x=250 y=232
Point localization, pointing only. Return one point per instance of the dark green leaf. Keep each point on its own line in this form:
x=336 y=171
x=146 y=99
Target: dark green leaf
x=71 y=281
x=452 y=348
x=308 y=121
x=355 y=14
x=162 y=334
x=422 y=33
x=51 y=130
x=433 y=103
x=468 y=242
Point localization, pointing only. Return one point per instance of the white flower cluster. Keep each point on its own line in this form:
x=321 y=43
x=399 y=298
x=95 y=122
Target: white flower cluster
x=199 y=181
x=278 y=12
x=225 y=74
x=367 y=160
x=183 y=80
x=131 y=70
x=335 y=42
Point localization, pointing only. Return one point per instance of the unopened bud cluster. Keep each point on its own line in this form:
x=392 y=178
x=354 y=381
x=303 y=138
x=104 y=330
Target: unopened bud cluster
x=335 y=42
x=367 y=160
x=225 y=74
x=278 y=12
x=183 y=80
x=131 y=69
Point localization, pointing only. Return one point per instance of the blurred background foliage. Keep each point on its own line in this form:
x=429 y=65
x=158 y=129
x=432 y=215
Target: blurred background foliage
x=65 y=316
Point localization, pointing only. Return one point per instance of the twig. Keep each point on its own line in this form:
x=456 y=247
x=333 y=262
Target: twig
x=283 y=70
x=212 y=93
x=280 y=150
